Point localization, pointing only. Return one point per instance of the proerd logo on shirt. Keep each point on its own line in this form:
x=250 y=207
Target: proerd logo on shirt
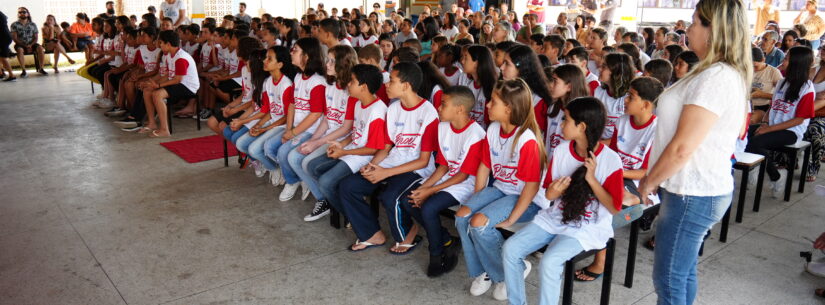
x=335 y=114
x=406 y=139
x=781 y=105
x=506 y=174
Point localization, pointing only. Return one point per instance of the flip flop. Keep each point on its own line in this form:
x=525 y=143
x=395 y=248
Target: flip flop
x=183 y=115
x=365 y=243
x=650 y=243
x=584 y=271
x=820 y=293
x=410 y=247
x=145 y=130
x=156 y=135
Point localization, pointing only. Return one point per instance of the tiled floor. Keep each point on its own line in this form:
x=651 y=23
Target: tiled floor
x=93 y=215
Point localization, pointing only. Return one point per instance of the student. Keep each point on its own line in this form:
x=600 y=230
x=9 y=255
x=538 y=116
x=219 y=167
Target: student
x=446 y=60
x=631 y=141
x=566 y=84
x=222 y=117
x=108 y=57
x=387 y=49
x=578 y=57
x=371 y=55
x=584 y=185
x=659 y=69
x=269 y=35
x=521 y=62
x=460 y=142
x=615 y=75
x=207 y=63
x=792 y=106
x=684 y=64
x=405 y=32
x=147 y=58
x=412 y=125
x=227 y=82
x=552 y=47
x=276 y=94
x=514 y=156
x=338 y=118
x=118 y=75
x=500 y=50
x=303 y=116
x=346 y=157
x=596 y=41
x=367 y=34
x=433 y=83
x=289 y=33
x=182 y=81
x=765 y=78
x=633 y=51
x=480 y=76
x=254 y=76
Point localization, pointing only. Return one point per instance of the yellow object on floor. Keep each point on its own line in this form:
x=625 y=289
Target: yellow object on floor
x=84 y=72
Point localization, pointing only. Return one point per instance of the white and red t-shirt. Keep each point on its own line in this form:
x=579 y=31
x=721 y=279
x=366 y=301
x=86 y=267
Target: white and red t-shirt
x=235 y=64
x=148 y=58
x=220 y=53
x=130 y=53
x=540 y=111
x=360 y=41
x=310 y=96
x=592 y=81
x=275 y=96
x=163 y=65
x=118 y=45
x=182 y=64
x=369 y=129
x=205 y=58
x=452 y=78
x=512 y=165
x=191 y=48
x=246 y=84
x=340 y=107
x=553 y=135
x=596 y=225
x=435 y=97
x=783 y=110
x=411 y=131
x=346 y=41
x=460 y=150
x=633 y=142
x=614 y=107
x=382 y=91
x=479 y=109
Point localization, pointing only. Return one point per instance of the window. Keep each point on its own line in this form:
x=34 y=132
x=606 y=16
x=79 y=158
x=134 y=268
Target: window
x=217 y=8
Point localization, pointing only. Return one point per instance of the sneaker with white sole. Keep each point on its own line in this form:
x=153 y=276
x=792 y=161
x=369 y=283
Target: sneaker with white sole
x=304 y=190
x=116 y=112
x=289 y=191
x=480 y=285
x=106 y=103
x=275 y=177
x=321 y=209
x=500 y=292
x=779 y=185
x=260 y=170
x=126 y=123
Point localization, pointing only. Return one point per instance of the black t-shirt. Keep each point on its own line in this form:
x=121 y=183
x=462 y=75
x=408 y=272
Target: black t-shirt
x=4 y=28
x=474 y=31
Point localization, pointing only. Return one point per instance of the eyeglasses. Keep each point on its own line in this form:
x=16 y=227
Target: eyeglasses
x=22 y=12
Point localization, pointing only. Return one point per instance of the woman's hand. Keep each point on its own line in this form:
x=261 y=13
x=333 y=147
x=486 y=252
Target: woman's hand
x=309 y=146
x=645 y=189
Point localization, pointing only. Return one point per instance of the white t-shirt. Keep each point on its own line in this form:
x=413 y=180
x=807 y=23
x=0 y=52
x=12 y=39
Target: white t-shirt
x=206 y=54
x=632 y=142
x=359 y=41
x=512 y=165
x=310 y=96
x=596 y=225
x=436 y=95
x=592 y=81
x=173 y=10
x=368 y=130
x=118 y=45
x=276 y=96
x=234 y=64
x=221 y=57
x=340 y=107
x=783 y=110
x=191 y=48
x=452 y=78
x=411 y=131
x=149 y=59
x=707 y=173
x=553 y=135
x=246 y=85
x=450 y=33
x=614 y=107
x=479 y=109
x=460 y=151
x=130 y=54
x=181 y=63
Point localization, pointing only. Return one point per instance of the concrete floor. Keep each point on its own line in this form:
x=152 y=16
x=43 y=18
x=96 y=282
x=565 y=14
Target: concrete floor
x=93 y=215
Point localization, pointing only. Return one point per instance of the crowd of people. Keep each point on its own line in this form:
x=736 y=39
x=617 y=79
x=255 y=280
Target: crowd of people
x=575 y=131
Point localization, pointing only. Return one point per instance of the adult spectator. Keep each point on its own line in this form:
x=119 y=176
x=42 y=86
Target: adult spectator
x=773 y=56
x=5 y=52
x=110 y=9
x=24 y=33
x=376 y=8
x=242 y=15
x=529 y=28
x=814 y=24
x=764 y=13
x=175 y=10
x=405 y=32
x=660 y=41
x=82 y=33
x=476 y=5
x=51 y=42
x=698 y=126
x=561 y=21
x=152 y=10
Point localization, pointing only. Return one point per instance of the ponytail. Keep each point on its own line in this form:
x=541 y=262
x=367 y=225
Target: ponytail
x=591 y=112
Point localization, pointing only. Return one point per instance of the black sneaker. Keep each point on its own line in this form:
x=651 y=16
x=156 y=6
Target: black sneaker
x=24 y=74
x=441 y=264
x=43 y=72
x=321 y=209
x=204 y=115
x=10 y=79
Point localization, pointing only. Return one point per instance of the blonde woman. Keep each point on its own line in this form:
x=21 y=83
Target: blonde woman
x=690 y=164
x=503 y=32
x=51 y=42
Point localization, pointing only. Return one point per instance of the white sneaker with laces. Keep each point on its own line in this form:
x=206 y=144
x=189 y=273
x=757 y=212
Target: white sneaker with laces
x=289 y=191
x=500 y=292
x=779 y=185
x=480 y=285
x=275 y=177
x=106 y=103
x=304 y=190
x=260 y=170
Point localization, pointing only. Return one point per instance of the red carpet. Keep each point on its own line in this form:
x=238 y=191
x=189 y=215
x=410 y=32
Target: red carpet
x=200 y=149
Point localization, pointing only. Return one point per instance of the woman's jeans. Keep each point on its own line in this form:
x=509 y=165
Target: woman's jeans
x=256 y=147
x=277 y=151
x=482 y=245
x=298 y=161
x=683 y=223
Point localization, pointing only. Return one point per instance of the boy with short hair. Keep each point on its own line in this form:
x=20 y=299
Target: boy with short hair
x=412 y=125
x=659 y=69
x=459 y=154
x=147 y=58
x=371 y=54
x=578 y=56
x=552 y=48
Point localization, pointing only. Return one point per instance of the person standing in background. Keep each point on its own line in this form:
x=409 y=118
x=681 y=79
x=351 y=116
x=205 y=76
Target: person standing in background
x=5 y=52
x=242 y=15
x=813 y=23
x=764 y=13
x=110 y=9
x=175 y=10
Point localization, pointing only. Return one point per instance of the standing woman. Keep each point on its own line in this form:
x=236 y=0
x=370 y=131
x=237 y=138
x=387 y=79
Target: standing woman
x=690 y=163
x=51 y=32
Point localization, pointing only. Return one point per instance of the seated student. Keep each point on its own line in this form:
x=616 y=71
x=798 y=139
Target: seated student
x=222 y=117
x=385 y=42
x=459 y=153
x=578 y=57
x=792 y=106
x=447 y=60
x=371 y=55
x=118 y=75
x=552 y=47
x=344 y=158
x=207 y=63
x=303 y=116
x=501 y=49
x=108 y=58
x=684 y=64
x=338 y=118
x=765 y=78
x=254 y=75
x=480 y=75
x=182 y=81
x=412 y=125
x=584 y=189
x=147 y=58
x=615 y=75
x=514 y=156
x=536 y=42
x=632 y=140
x=433 y=83
x=414 y=43
x=566 y=83
x=521 y=62
x=659 y=69
x=228 y=81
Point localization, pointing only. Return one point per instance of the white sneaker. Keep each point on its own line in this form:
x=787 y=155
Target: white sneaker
x=260 y=170
x=289 y=191
x=106 y=103
x=480 y=285
x=275 y=177
x=779 y=185
x=304 y=191
x=527 y=268
x=500 y=292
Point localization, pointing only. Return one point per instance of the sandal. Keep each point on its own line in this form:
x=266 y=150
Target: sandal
x=156 y=135
x=584 y=271
x=650 y=244
x=409 y=247
x=820 y=292
x=363 y=243
x=810 y=178
x=145 y=130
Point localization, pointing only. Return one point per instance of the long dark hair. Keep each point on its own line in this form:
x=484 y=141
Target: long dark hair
x=432 y=77
x=673 y=50
x=486 y=70
x=255 y=63
x=632 y=50
x=784 y=47
x=621 y=73
x=247 y=45
x=292 y=35
x=430 y=29
x=282 y=55
x=591 y=112
x=530 y=70
x=315 y=59
x=800 y=60
x=574 y=76
x=111 y=23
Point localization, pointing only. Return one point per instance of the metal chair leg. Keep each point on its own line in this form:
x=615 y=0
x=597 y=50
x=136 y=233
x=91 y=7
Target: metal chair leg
x=198 y=114
x=567 y=290
x=743 y=190
x=608 y=272
x=723 y=233
x=225 y=154
x=631 y=254
x=803 y=173
x=789 y=179
x=759 y=181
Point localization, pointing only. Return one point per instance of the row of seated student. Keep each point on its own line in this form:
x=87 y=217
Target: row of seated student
x=492 y=129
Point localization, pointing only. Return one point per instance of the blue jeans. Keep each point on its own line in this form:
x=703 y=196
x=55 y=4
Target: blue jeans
x=355 y=187
x=428 y=215
x=560 y=249
x=243 y=142
x=297 y=162
x=683 y=222
x=329 y=173
x=482 y=245
x=275 y=150
x=256 y=148
x=232 y=136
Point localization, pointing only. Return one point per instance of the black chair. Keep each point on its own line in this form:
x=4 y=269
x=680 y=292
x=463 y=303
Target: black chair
x=791 y=151
x=169 y=103
x=630 y=267
x=745 y=162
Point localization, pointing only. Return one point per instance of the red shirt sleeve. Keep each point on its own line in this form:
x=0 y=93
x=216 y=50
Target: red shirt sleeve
x=593 y=85
x=647 y=157
x=541 y=115
x=548 y=178
x=181 y=65
x=350 y=115
x=288 y=96
x=805 y=108
x=437 y=99
x=429 y=140
x=614 y=184
x=614 y=141
x=138 y=58
x=241 y=64
x=264 y=102
x=474 y=155
x=382 y=94
x=318 y=99
x=485 y=153
x=377 y=134
x=529 y=163
x=439 y=158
